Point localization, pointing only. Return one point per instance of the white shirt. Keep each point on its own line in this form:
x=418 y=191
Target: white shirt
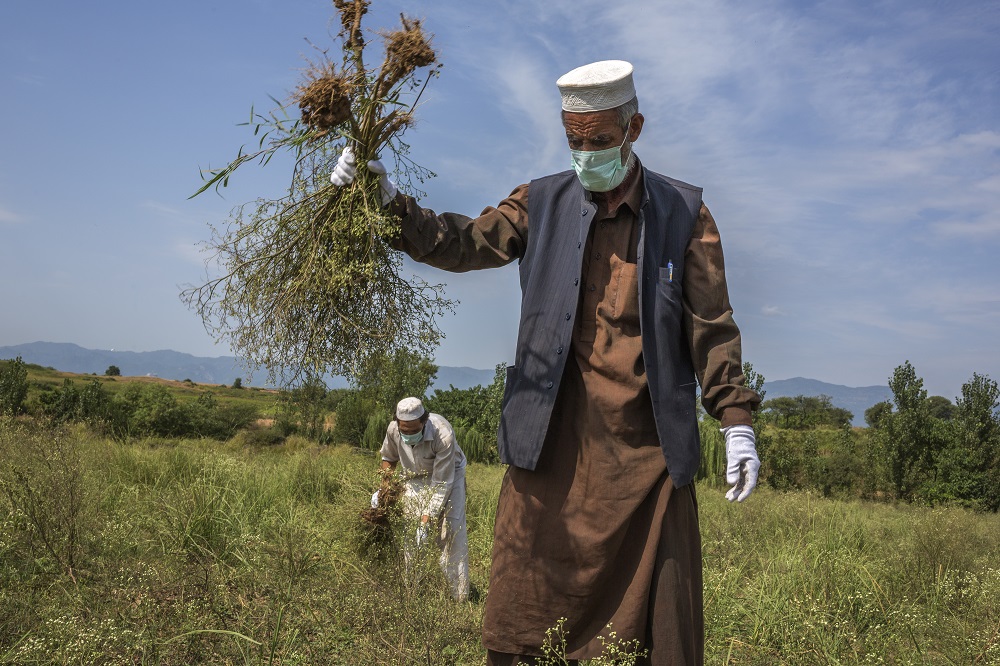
x=429 y=466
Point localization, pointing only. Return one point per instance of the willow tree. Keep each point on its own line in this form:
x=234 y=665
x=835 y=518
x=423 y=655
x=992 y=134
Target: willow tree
x=309 y=283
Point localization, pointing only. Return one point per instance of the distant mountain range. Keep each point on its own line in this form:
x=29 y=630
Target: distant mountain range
x=169 y=364
x=854 y=399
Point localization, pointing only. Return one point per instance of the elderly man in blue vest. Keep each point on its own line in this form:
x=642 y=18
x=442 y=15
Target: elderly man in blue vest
x=624 y=311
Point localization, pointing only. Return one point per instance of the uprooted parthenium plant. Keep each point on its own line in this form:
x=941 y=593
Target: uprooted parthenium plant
x=308 y=284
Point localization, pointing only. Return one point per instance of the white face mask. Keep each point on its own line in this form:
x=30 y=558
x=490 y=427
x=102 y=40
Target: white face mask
x=601 y=170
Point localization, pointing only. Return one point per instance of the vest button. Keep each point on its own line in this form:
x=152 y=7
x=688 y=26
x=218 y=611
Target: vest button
x=584 y=212
x=567 y=316
x=579 y=245
x=559 y=350
x=548 y=385
x=576 y=282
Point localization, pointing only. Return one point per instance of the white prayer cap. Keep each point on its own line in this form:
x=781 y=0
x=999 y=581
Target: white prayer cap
x=409 y=409
x=596 y=87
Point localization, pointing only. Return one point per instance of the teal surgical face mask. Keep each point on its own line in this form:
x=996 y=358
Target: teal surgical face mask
x=601 y=170
x=413 y=439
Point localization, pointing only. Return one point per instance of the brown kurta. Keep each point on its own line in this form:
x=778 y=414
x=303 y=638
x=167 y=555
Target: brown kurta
x=597 y=534
x=458 y=243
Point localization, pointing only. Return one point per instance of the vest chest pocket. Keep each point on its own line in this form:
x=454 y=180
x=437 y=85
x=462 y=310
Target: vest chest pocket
x=669 y=296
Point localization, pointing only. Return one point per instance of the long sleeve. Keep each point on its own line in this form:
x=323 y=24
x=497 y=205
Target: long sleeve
x=713 y=336
x=390 y=449
x=458 y=243
x=443 y=474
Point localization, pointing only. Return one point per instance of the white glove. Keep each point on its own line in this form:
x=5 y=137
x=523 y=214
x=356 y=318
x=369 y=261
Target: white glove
x=423 y=532
x=742 y=463
x=375 y=500
x=343 y=174
x=388 y=187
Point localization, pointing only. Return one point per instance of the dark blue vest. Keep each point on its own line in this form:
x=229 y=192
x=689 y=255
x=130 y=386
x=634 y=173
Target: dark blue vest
x=559 y=218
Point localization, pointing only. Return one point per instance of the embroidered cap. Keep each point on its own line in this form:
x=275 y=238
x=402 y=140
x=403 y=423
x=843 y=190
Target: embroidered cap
x=596 y=87
x=409 y=409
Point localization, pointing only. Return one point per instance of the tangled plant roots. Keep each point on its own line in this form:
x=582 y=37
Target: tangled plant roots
x=310 y=282
x=379 y=525
x=405 y=51
x=388 y=496
x=325 y=99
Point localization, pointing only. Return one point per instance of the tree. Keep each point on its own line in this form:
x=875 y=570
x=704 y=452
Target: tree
x=475 y=414
x=13 y=387
x=476 y=407
x=113 y=371
x=877 y=413
x=804 y=412
x=304 y=409
x=910 y=438
x=971 y=469
x=388 y=379
x=940 y=407
x=238 y=383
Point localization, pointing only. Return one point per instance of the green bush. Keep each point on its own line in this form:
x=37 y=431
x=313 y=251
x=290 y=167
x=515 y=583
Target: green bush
x=477 y=447
x=374 y=434
x=13 y=386
x=144 y=410
x=354 y=413
x=42 y=479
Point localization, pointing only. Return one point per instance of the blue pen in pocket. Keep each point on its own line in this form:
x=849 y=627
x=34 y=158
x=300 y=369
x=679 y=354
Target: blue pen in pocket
x=670 y=271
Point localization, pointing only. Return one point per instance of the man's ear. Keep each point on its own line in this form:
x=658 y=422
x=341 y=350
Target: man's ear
x=635 y=128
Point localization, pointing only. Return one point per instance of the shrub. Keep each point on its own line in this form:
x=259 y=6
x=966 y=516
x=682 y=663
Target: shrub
x=13 y=387
x=374 y=432
x=353 y=415
x=42 y=479
x=477 y=447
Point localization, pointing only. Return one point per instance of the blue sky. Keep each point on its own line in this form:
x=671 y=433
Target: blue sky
x=850 y=152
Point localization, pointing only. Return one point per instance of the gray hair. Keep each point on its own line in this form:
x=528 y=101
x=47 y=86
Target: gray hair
x=626 y=111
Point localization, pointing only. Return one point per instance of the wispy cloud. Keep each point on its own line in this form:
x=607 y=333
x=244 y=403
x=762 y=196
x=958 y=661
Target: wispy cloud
x=9 y=217
x=161 y=208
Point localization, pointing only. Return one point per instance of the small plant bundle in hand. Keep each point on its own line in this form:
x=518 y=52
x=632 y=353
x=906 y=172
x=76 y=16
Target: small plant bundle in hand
x=309 y=282
x=389 y=492
x=379 y=527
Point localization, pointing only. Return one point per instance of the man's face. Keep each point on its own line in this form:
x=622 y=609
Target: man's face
x=599 y=130
x=410 y=427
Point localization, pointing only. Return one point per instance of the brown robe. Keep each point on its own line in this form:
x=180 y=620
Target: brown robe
x=597 y=535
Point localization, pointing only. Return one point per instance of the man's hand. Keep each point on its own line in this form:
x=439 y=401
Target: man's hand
x=742 y=463
x=423 y=533
x=343 y=174
x=384 y=182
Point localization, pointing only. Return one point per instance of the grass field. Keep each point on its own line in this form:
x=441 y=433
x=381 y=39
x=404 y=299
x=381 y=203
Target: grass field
x=196 y=552
x=264 y=401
